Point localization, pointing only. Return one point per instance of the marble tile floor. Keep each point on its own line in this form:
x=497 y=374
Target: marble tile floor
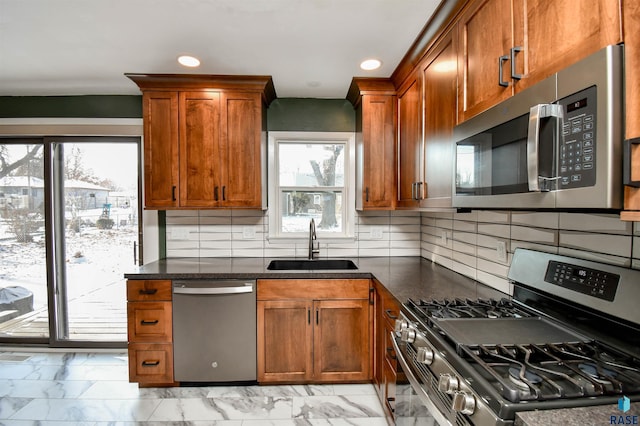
x=92 y=388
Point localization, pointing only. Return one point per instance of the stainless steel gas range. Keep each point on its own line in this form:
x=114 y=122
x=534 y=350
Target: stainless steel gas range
x=569 y=337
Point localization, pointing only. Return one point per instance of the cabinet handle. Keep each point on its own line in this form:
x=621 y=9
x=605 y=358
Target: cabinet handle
x=391 y=353
x=388 y=312
x=152 y=363
x=148 y=291
x=413 y=191
x=513 y=62
x=215 y=193
x=173 y=193
x=317 y=316
x=627 y=162
x=418 y=190
x=366 y=197
x=309 y=316
x=224 y=197
x=147 y=322
x=501 y=60
x=372 y=297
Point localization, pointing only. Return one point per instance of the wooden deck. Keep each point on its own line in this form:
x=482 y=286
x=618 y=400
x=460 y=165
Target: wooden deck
x=97 y=316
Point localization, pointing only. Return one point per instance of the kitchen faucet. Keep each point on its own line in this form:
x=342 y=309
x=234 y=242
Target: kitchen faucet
x=314 y=245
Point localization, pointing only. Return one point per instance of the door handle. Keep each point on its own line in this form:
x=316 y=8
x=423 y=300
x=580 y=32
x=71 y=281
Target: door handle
x=627 y=163
x=501 y=61
x=513 y=63
x=213 y=290
x=536 y=113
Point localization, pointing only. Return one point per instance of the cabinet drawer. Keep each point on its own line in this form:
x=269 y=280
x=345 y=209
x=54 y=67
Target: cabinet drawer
x=151 y=290
x=151 y=363
x=389 y=352
x=287 y=289
x=149 y=322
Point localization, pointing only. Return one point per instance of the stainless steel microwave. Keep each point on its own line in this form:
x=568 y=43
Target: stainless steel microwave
x=555 y=145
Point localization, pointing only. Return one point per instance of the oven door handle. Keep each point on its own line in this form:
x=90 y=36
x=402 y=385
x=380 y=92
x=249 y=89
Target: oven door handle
x=536 y=113
x=415 y=384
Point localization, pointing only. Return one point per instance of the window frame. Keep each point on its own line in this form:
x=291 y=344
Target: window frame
x=275 y=191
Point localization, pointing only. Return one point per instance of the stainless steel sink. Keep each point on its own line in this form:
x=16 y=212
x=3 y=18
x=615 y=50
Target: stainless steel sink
x=306 y=264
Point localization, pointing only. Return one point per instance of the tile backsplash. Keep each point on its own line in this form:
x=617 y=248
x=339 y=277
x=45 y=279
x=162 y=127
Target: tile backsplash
x=244 y=233
x=478 y=244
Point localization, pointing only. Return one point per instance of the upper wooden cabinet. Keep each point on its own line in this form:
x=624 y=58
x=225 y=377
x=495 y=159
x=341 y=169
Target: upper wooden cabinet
x=506 y=46
x=439 y=80
x=375 y=103
x=631 y=10
x=410 y=143
x=204 y=140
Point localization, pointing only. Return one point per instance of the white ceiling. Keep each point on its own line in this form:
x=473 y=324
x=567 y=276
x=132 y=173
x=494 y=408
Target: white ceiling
x=312 y=48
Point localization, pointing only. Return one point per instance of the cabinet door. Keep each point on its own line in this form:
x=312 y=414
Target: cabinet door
x=560 y=33
x=241 y=150
x=409 y=142
x=199 y=148
x=484 y=35
x=285 y=338
x=440 y=91
x=160 y=116
x=378 y=151
x=341 y=340
x=631 y=10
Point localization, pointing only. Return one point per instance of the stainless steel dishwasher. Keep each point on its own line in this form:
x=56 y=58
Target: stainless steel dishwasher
x=214 y=331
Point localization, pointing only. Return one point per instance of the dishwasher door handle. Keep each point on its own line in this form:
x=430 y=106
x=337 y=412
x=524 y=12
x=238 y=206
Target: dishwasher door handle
x=213 y=290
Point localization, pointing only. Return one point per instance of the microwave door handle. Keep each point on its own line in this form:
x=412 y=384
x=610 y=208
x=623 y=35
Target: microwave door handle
x=536 y=113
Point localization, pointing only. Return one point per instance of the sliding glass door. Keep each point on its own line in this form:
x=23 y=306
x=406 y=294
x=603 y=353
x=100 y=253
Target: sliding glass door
x=85 y=240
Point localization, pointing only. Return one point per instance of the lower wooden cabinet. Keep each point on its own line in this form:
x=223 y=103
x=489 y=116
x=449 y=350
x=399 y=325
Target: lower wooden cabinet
x=387 y=370
x=150 y=332
x=314 y=331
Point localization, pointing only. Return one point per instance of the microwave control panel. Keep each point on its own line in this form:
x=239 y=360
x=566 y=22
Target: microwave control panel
x=577 y=151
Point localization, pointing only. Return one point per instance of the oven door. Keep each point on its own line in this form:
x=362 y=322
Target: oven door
x=412 y=404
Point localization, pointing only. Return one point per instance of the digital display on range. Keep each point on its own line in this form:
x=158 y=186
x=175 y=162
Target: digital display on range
x=577 y=105
x=592 y=282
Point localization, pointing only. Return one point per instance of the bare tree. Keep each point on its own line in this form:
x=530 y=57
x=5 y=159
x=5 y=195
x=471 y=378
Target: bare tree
x=325 y=174
x=7 y=167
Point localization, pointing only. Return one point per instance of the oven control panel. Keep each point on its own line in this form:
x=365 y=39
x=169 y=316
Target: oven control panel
x=592 y=282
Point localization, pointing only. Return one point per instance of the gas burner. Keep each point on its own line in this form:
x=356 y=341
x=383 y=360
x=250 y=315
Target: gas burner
x=598 y=373
x=523 y=379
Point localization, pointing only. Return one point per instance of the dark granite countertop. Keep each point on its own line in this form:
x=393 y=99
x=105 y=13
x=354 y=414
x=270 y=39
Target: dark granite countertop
x=404 y=277
x=582 y=416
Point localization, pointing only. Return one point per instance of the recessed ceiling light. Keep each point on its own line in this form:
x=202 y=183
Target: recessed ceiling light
x=370 y=64
x=188 y=61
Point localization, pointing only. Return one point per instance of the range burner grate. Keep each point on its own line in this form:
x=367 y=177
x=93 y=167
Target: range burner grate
x=467 y=308
x=555 y=371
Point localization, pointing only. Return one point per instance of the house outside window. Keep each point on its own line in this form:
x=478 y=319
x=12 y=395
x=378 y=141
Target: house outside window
x=311 y=177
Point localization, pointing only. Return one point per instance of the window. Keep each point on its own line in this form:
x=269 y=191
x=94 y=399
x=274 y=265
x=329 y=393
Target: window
x=310 y=178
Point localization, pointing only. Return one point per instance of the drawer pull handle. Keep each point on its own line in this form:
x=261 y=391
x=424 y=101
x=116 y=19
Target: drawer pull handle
x=152 y=363
x=148 y=322
x=388 y=312
x=148 y=291
x=391 y=353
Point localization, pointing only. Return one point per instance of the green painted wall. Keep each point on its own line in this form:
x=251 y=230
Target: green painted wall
x=89 y=106
x=286 y=114
x=311 y=115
